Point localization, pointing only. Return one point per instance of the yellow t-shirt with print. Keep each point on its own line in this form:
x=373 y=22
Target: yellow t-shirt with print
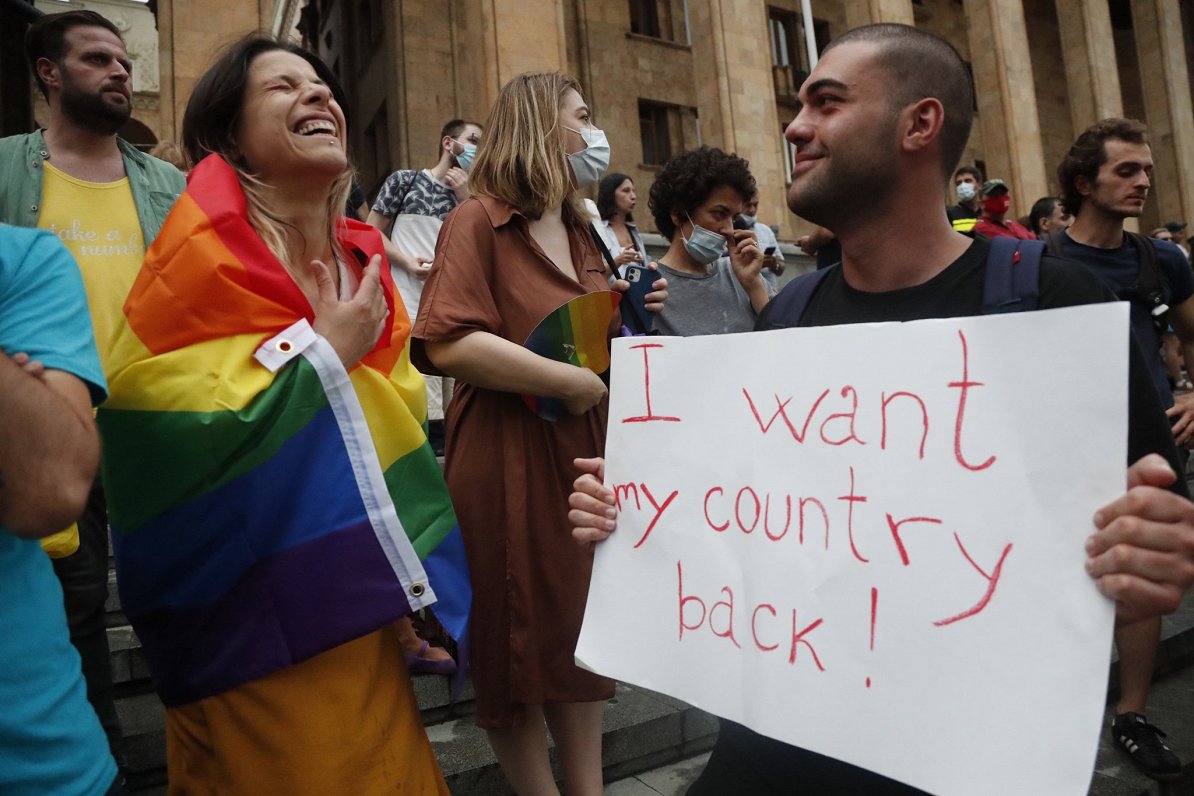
x=98 y=223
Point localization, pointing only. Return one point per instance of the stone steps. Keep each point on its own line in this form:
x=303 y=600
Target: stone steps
x=641 y=729
x=644 y=733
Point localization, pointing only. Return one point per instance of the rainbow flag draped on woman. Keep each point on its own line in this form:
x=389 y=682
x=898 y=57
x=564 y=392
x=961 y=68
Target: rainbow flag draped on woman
x=266 y=505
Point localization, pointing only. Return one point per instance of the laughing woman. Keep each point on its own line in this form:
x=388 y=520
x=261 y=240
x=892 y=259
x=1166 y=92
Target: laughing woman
x=275 y=504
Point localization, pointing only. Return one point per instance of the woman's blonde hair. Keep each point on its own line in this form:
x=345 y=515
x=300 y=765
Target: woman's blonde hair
x=522 y=160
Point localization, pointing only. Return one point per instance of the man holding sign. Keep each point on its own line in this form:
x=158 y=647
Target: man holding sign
x=886 y=113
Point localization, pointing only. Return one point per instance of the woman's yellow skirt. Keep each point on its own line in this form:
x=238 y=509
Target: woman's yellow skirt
x=345 y=721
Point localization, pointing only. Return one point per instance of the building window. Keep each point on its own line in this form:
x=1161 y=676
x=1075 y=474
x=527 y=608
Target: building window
x=644 y=17
x=660 y=19
x=789 y=153
x=655 y=132
x=789 y=59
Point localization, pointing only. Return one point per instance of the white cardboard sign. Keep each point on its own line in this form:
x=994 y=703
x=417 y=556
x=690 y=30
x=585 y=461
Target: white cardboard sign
x=868 y=540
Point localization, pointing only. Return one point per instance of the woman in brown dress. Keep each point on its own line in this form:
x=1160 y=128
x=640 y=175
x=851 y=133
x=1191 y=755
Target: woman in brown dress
x=505 y=259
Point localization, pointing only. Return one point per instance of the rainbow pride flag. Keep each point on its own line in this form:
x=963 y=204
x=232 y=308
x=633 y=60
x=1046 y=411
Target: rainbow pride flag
x=266 y=505
x=576 y=332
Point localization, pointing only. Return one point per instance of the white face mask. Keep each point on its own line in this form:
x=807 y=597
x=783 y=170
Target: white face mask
x=591 y=162
x=967 y=191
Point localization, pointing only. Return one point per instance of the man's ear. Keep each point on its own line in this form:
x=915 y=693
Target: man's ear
x=49 y=73
x=1083 y=186
x=677 y=219
x=920 y=124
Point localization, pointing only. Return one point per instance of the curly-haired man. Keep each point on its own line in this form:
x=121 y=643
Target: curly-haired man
x=694 y=201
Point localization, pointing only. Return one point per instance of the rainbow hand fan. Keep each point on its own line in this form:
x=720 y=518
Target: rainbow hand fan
x=576 y=332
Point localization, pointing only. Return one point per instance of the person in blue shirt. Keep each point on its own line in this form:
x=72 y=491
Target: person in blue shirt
x=50 y=738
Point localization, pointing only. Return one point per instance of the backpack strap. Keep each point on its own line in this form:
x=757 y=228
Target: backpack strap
x=1053 y=242
x=1012 y=282
x=605 y=252
x=1149 y=288
x=788 y=306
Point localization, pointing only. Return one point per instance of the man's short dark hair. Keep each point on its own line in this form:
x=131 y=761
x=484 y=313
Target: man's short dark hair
x=686 y=181
x=46 y=38
x=973 y=171
x=1041 y=209
x=919 y=65
x=1089 y=153
x=453 y=129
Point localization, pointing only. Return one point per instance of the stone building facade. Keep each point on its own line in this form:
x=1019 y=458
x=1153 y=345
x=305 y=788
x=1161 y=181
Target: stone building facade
x=170 y=42
x=665 y=75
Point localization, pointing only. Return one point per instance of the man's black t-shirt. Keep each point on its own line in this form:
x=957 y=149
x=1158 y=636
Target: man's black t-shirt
x=744 y=761
x=960 y=211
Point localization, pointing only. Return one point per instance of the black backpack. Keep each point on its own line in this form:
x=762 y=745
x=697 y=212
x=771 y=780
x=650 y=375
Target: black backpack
x=1011 y=283
x=1149 y=288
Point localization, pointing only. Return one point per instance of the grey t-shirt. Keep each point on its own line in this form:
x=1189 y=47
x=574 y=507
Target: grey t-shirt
x=711 y=304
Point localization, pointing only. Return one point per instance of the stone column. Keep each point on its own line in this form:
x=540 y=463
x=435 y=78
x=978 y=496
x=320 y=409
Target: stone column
x=866 y=12
x=196 y=40
x=170 y=114
x=737 y=96
x=1088 y=49
x=1165 y=76
x=1007 y=99
x=521 y=36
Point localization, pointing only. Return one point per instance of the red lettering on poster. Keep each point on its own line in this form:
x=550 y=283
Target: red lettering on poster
x=874 y=615
x=799 y=638
x=885 y=401
x=728 y=604
x=659 y=509
x=754 y=519
x=650 y=416
x=754 y=626
x=709 y=519
x=851 y=416
x=804 y=501
x=781 y=412
x=767 y=518
x=894 y=525
x=851 y=499
x=992 y=582
x=964 y=385
x=685 y=600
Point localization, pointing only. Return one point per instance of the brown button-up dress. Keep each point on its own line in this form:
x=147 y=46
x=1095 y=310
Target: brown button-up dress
x=509 y=472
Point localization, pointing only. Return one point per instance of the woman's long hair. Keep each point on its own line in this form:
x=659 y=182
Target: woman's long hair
x=607 y=196
x=522 y=160
x=210 y=124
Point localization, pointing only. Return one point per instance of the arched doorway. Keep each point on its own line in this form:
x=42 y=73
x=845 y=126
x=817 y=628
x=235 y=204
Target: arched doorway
x=137 y=134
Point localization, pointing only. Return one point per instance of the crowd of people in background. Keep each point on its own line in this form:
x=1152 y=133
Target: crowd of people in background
x=280 y=376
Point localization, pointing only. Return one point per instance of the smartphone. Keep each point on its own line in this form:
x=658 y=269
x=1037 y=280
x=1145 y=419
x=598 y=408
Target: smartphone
x=634 y=301
x=770 y=250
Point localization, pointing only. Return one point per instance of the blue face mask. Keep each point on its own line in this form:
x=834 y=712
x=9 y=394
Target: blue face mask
x=704 y=245
x=750 y=221
x=466 y=158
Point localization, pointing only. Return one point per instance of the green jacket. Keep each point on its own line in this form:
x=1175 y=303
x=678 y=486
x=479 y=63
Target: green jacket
x=155 y=184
